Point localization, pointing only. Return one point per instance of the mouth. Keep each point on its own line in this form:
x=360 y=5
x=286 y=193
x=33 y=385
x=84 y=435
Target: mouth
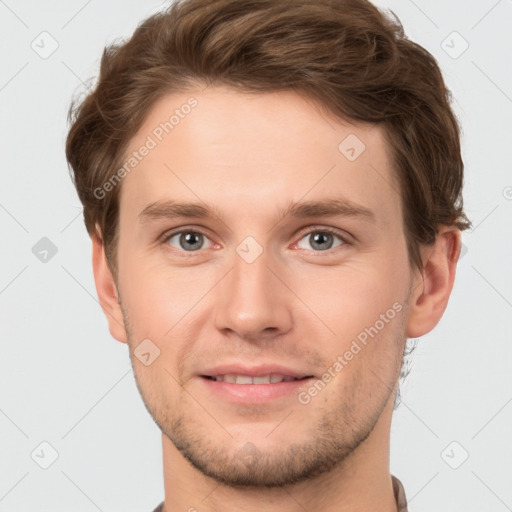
x=273 y=378
x=239 y=384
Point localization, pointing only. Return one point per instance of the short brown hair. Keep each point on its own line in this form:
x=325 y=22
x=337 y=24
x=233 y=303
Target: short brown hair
x=346 y=54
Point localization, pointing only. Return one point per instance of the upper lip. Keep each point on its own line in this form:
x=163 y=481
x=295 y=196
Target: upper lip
x=253 y=370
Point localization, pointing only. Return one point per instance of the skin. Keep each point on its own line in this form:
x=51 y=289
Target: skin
x=298 y=304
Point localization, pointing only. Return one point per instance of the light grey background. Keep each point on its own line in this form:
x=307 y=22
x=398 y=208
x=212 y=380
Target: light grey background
x=66 y=382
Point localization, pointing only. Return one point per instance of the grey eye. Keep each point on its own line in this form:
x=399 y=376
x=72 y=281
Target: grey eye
x=321 y=240
x=188 y=240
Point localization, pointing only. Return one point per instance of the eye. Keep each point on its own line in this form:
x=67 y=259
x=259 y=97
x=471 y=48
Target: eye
x=188 y=241
x=322 y=239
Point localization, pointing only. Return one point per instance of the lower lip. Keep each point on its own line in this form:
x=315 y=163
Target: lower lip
x=254 y=393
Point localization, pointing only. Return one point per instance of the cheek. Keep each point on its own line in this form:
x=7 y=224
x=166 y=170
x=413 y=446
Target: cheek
x=162 y=301
x=350 y=297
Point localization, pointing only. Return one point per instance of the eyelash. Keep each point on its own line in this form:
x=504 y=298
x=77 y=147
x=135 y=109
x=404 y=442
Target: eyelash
x=311 y=230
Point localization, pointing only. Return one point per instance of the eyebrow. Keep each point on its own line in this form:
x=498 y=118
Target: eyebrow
x=324 y=208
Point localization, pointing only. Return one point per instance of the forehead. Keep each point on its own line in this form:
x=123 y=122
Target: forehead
x=263 y=150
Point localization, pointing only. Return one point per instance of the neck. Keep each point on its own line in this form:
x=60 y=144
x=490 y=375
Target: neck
x=360 y=483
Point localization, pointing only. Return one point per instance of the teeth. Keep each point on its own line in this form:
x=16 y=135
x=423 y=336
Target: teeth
x=243 y=379
x=246 y=379
x=261 y=380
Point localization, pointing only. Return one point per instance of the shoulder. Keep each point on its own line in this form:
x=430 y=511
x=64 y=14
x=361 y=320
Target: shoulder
x=399 y=491
x=160 y=508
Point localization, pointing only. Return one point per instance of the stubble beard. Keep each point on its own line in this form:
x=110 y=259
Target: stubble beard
x=330 y=442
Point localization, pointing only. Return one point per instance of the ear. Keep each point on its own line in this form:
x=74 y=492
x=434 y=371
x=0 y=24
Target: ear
x=107 y=291
x=434 y=283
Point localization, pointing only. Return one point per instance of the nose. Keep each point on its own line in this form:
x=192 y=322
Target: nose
x=253 y=300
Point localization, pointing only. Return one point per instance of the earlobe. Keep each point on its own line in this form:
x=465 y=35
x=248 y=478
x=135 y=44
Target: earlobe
x=107 y=291
x=430 y=296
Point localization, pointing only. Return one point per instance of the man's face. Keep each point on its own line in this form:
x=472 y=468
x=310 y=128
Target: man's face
x=236 y=301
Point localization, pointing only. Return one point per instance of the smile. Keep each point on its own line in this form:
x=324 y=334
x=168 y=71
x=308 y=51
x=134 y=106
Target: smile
x=247 y=379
